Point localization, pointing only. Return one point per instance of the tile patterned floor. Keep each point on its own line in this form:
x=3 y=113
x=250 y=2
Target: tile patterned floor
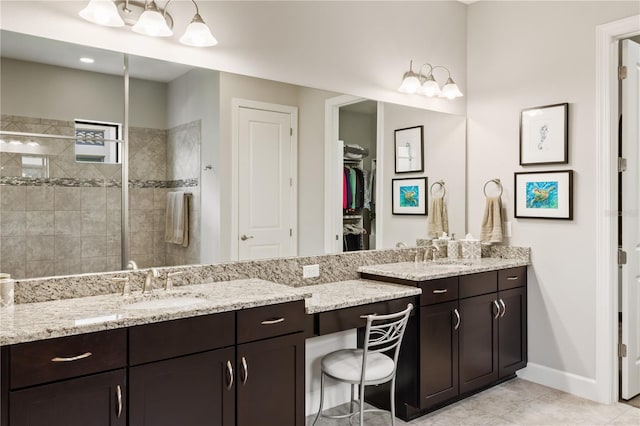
x=516 y=402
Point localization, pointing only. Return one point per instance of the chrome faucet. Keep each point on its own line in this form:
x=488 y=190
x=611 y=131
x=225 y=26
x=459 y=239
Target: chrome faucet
x=126 y=286
x=434 y=249
x=169 y=283
x=148 y=281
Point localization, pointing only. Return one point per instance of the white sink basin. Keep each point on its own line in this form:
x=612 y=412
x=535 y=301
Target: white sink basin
x=165 y=303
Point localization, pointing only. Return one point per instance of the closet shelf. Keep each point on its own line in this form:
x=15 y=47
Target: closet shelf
x=352 y=216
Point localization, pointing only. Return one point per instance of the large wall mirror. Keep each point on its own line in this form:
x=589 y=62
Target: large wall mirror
x=61 y=203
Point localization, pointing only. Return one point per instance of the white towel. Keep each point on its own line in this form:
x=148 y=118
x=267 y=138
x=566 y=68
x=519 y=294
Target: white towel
x=438 y=222
x=491 y=229
x=176 y=228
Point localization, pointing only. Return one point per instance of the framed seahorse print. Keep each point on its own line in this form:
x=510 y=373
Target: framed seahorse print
x=544 y=195
x=544 y=135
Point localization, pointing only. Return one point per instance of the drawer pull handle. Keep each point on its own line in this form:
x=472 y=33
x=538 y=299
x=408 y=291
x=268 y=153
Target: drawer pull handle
x=495 y=303
x=71 y=358
x=245 y=371
x=230 y=372
x=272 y=321
x=458 y=321
x=504 y=308
x=513 y=278
x=444 y=290
x=119 y=401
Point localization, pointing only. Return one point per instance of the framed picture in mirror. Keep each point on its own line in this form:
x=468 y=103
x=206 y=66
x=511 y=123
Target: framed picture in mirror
x=409 y=148
x=409 y=196
x=544 y=135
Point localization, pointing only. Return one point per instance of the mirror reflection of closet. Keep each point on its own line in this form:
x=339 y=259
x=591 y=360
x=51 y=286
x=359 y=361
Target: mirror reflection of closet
x=357 y=131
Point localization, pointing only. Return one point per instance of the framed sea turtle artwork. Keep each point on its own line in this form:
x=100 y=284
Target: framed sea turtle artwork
x=409 y=196
x=544 y=195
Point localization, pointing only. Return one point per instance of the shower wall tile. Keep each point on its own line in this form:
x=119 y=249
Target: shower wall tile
x=94 y=223
x=66 y=247
x=93 y=199
x=67 y=223
x=39 y=223
x=66 y=198
x=12 y=223
x=12 y=198
x=39 y=248
x=39 y=198
x=12 y=248
x=40 y=268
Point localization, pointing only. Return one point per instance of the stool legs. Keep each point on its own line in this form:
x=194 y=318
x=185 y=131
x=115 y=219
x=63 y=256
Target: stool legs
x=392 y=393
x=321 y=398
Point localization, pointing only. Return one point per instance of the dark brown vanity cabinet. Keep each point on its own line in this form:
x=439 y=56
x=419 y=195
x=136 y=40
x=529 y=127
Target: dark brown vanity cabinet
x=270 y=365
x=181 y=372
x=242 y=368
x=471 y=334
x=70 y=381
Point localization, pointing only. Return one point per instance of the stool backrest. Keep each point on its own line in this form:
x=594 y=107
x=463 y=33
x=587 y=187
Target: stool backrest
x=384 y=333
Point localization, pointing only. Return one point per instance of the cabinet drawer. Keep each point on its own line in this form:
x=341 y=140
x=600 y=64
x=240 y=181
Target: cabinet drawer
x=50 y=360
x=437 y=291
x=348 y=318
x=269 y=321
x=512 y=278
x=477 y=284
x=154 y=342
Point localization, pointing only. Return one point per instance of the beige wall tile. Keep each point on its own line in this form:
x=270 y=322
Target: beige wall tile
x=39 y=223
x=40 y=268
x=12 y=223
x=67 y=223
x=67 y=198
x=94 y=222
x=13 y=198
x=95 y=246
x=67 y=247
x=93 y=199
x=39 y=198
x=12 y=249
x=39 y=248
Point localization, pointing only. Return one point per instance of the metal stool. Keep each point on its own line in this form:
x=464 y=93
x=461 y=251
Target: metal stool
x=369 y=365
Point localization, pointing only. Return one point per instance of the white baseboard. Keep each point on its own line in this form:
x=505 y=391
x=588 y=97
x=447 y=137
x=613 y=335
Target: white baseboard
x=581 y=386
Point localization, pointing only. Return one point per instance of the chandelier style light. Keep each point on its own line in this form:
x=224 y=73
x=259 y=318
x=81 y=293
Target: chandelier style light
x=150 y=20
x=424 y=83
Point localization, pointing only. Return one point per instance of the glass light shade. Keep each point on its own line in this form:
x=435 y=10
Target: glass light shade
x=410 y=83
x=450 y=90
x=198 y=34
x=152 y=23
x=102 y=12
x=430 y=87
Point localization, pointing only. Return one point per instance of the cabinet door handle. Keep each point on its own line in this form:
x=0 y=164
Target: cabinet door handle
x=504 y=308
x=495 y=303
x=512 y=278
x=230 y=377
x=457 y=314
x=245 y=371
x=444 y=290
x=272 y=321
x=119 y=401
x=71 y=358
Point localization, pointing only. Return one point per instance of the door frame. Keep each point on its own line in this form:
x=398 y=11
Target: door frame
x=606 y=324
x=332 y=179
x=236 y=104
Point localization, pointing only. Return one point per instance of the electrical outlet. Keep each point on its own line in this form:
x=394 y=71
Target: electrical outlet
x=310 y=271
x=507 y=229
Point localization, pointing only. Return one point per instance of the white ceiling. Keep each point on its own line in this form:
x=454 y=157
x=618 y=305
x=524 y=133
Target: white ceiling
x=36 y=49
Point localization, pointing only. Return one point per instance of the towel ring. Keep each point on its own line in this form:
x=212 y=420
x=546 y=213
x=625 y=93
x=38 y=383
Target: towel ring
x=497 y=182
x=441 y=184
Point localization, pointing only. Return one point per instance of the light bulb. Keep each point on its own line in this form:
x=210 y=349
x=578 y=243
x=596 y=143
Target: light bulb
x=198 y=34
x=430 y=87
x=450 y=90
x=102 y=12
x=152 y=23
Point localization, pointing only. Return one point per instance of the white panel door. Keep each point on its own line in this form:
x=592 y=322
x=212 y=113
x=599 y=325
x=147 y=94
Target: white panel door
x=264 y=184
x=630 y=192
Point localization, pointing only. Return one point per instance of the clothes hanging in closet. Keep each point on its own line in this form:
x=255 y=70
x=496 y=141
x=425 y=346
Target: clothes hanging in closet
x=353 y=185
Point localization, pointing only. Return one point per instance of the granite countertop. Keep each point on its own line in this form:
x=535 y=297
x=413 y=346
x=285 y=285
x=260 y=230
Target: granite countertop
x=344 y=294
x=425 y=271
x=45 y=320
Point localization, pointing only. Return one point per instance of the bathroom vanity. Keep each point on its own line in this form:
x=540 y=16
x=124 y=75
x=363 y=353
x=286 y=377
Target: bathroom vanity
x=471 y=333
x=161 y=359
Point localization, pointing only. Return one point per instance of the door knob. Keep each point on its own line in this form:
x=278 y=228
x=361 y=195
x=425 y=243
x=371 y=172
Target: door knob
x=245 y=237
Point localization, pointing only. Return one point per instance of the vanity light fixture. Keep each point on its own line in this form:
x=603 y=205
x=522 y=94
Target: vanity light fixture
x=425 y=83
x=147 y=18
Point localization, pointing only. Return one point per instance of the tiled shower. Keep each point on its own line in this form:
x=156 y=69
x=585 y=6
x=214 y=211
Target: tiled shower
x=68 y=221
